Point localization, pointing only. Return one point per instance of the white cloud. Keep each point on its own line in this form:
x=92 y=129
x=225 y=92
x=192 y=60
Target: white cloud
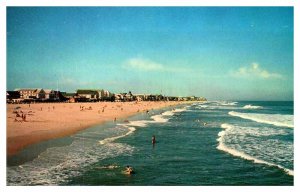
x=143 y=64
x=255 y=71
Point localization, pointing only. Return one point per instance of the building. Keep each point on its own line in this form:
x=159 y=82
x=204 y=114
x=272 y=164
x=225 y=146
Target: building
x=118 y=97
x=69 y=97
x=128 y=96
x=13 y=96
x=139 y=97
x=88 y=94
x=104 y=94
x=51 y=94
x=31 y=93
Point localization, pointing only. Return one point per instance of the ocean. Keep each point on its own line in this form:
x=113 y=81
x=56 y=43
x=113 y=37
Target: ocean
x=199 y=144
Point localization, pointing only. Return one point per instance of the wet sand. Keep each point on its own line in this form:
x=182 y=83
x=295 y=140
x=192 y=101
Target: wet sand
x=46 y=121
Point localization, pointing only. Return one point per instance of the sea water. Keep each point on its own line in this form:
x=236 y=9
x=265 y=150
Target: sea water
x=209 y=143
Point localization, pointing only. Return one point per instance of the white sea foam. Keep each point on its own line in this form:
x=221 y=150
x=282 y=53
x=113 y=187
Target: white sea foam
x=55 y=165
x=218 y=105
x=252 y=107
x=202 y=106
x=229 y=128
x=226 y=126
x=110 y=139
x=273 y=119
x=180 y=110
x=225 y=103
x=108 y=167
x=142 y=123
x=168 y=113
x=159 y=118
x=237 y=153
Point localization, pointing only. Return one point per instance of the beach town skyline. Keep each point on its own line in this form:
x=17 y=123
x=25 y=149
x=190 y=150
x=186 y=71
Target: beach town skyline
x=226 y=53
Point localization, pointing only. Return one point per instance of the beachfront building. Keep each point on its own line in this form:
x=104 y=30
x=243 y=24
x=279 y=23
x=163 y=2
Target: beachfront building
x=119 y=97
x=128 y=96
x=31 y=93
x=201 y=99
x=104 y=94
x=13 y=97
x=139 y=97
x=173 y=98
x=69 y=97
x=88 y=94
x=51 y=94
x=155 y=98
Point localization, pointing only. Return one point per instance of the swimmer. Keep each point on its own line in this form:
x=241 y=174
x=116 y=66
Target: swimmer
x=129 y=170
x=153 y=140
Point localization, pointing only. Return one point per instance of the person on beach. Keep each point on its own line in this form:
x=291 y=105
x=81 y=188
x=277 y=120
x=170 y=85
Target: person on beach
x=153 y=140
x=129 y=170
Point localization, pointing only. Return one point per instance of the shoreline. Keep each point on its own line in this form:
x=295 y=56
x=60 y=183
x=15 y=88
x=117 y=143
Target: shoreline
x=46 y=121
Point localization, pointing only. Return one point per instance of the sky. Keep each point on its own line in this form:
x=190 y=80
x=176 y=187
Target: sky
x=221 y=53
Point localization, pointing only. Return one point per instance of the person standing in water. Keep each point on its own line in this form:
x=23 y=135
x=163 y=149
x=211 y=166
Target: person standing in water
x=153 y=140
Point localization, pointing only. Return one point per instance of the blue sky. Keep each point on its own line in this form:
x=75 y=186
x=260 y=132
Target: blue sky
x=229 y=53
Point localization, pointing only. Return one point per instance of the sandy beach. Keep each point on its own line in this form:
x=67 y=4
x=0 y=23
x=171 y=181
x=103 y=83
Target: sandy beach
x=46 y=121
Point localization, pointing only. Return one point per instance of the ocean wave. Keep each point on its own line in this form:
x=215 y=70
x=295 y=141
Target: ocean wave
x=273 y=119
x=168 y=113
x=159 y=118
x=237 y=153
x=180 y=110
x=55 y=165
x=226 y=126
x=252 y=107
x=202 y=106
x=226 y=103
x=218 y=105
x=142 y=123
x=110 y=139
x=222 y=146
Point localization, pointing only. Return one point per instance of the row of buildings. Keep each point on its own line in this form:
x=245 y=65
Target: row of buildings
x=85 y=95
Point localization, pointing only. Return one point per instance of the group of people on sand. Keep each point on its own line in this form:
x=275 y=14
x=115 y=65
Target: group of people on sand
x=23 y=116
x=82 y=108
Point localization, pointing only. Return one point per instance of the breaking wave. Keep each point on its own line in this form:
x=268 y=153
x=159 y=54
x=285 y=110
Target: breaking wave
x=223 y=147
x=273 y=119
x=55 y=165
x=252 y=107
x=226 y=103
x=110 y=139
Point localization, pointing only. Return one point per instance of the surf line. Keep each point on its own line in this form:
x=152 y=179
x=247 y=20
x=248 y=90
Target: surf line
x=110 y=139
x=266 y=118
x=237 y=153
x=143 y=123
